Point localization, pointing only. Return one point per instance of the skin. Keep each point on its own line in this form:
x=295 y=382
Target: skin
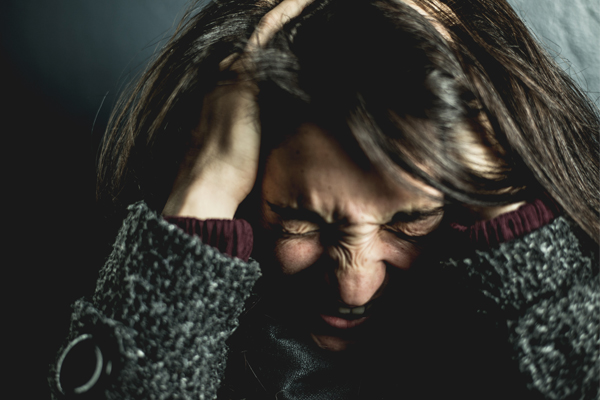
x=323 y=208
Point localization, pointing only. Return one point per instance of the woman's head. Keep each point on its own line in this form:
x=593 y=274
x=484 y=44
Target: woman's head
x=413 y=84
x=337 y=229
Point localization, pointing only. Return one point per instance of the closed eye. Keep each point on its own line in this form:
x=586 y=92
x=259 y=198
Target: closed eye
x=298 y=234
x=417 y=239
x=295 y=228
x=415 y=227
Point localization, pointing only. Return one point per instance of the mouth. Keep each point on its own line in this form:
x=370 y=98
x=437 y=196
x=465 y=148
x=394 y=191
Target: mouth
x=345 y=318
x=341 y=327
x=342 y=317
x=331 y=323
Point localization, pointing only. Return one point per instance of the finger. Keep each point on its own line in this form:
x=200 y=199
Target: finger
x=274 y=20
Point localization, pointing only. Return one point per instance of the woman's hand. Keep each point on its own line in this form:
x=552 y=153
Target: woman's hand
x=220 y=167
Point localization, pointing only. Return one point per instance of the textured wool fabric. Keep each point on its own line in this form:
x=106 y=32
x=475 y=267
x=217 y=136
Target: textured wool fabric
x=511 y=225
x=550 y=292
x=166 y=303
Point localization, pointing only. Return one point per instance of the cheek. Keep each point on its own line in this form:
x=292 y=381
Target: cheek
x=399 y=254
x=294 y=255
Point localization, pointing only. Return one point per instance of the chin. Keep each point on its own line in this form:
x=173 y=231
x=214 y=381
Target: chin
x=333 y=343
x=333 y=333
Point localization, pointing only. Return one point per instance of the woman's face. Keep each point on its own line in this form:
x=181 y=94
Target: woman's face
x=338 y=230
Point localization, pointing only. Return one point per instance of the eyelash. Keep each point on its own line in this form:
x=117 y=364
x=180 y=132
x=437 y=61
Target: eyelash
x=396 y=232
x=415 y=239
x=285 y=233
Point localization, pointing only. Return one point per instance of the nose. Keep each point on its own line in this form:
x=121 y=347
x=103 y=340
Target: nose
x=359 y=277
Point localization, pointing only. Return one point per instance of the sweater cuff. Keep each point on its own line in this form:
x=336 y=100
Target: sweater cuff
x=512 y=225
x=231 y=237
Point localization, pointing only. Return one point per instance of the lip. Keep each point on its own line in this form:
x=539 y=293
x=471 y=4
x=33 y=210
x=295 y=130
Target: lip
x=333 y=317
x=342 y=323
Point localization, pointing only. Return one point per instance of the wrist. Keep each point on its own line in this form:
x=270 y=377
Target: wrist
x=200 y=206
x=206 y=198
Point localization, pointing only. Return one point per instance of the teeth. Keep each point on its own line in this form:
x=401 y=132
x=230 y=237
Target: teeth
x=358 y=310
x=354 y=311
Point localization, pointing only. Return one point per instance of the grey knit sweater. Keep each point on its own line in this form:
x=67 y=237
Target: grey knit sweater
x=165 y=304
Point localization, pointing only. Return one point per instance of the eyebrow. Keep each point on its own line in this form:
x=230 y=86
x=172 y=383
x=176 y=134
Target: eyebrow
x=303 y=214
x=296 y=214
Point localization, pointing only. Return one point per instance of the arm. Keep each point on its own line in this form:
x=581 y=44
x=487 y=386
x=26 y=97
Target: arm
x=546 y=285
x=164 y=305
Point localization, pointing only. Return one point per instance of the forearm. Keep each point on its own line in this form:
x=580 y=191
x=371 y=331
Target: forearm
x=164 y=305
x=546 y=286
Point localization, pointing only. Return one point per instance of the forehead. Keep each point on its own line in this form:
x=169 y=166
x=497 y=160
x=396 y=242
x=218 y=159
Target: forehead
x=313 y=170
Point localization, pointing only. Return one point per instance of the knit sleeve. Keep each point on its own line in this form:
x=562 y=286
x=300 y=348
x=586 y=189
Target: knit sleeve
x=164 y=305
x=230 y=236
x=511 y=225
x=547 y=286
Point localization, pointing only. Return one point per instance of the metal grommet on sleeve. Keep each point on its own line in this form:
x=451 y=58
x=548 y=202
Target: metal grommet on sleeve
x=82 y=367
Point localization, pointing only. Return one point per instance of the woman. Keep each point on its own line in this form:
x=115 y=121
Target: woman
x=420 y=183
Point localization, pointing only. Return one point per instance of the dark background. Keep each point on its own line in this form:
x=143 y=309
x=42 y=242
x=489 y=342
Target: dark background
x=63 y=63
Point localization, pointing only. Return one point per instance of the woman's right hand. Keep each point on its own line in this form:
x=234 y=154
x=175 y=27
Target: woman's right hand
x=220 y=167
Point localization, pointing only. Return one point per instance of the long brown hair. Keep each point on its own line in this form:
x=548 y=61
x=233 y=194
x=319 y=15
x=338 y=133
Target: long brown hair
x=533 y=105
x=339 y=61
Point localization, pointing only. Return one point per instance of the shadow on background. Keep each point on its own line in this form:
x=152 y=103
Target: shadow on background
x=63 y=64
